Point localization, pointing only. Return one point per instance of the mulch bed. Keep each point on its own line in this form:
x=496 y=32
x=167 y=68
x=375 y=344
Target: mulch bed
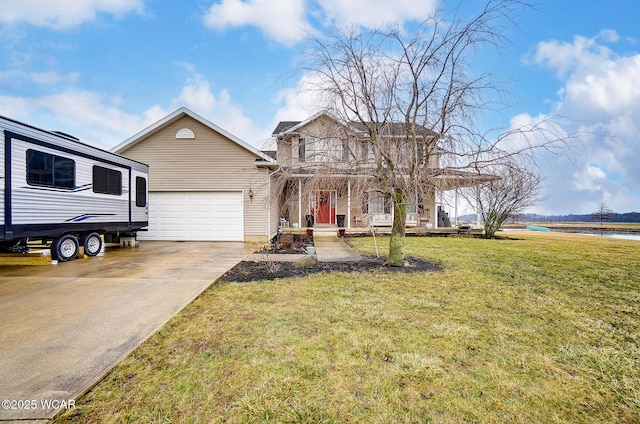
x=254 y=271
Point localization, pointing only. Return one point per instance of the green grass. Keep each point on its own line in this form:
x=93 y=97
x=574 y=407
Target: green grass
x=541 y=329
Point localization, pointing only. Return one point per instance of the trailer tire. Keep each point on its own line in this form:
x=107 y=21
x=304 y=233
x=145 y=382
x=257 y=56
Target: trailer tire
x=65 y=248
x=92 y=243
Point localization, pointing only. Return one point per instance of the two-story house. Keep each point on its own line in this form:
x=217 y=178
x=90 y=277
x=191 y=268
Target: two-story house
x=328 y=177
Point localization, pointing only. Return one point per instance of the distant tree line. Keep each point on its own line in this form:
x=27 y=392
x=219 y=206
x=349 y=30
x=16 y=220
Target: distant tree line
x=531 y=217
x=613 y=217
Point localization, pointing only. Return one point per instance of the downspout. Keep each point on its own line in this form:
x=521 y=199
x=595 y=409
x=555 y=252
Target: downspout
x=269 y=200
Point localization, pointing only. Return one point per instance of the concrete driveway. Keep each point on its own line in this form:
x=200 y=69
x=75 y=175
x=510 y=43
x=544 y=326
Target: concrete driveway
x=63 y=327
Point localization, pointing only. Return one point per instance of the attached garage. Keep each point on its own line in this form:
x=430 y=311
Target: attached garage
x=197 y=216
x=204 y=183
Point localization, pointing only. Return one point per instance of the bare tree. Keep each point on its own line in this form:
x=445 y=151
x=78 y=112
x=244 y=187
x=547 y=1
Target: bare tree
x=602 y=214
x=513 y=189
x=414 y=98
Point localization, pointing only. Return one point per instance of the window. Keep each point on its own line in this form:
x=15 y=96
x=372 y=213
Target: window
x=141 y=192
x=107 y=181
x=185 y=133
x=326 y=150
x=377 y=203
x=44 y=169
x=302 y=143
x=345 y=150
x=367 y=151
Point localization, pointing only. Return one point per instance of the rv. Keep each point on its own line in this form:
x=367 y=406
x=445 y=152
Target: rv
x=65 y=193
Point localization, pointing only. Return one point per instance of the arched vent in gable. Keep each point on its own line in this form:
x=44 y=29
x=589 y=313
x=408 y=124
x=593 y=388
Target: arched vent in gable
x=185 y=133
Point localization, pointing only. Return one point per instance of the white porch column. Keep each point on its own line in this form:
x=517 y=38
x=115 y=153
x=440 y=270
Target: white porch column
x=478 y=209
x=349 y=204
x=435 y=221
x=299 y=203
x=455 y=207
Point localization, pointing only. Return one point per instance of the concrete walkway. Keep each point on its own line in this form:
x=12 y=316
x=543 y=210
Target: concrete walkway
x=332 y=249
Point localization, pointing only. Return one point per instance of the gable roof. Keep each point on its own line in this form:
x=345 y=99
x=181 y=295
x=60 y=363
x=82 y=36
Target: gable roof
x=284 y=126
x=294 y=126
x=396 y=129
x=183 y=111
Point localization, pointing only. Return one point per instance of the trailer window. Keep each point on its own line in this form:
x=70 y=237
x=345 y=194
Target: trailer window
x=107 y=181
x=44 y=169
x=141 y=192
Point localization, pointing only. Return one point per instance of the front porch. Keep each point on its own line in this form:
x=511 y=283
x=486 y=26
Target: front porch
x=352 y=207
x=333 y=230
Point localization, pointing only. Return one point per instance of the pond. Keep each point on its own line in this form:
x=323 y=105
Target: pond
x=620 y=236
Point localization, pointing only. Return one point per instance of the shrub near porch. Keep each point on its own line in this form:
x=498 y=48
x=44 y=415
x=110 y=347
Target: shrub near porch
x=540 y=329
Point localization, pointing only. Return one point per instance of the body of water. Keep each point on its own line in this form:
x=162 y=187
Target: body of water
x=635 y=237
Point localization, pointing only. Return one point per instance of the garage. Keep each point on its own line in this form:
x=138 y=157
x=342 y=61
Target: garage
x=205 y=184
x=195 y=216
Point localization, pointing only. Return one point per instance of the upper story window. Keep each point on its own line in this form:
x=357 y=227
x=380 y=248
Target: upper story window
x=366 y=151
x=302 y=150
x=107 y=181
x=323 y=150
x=45 y=169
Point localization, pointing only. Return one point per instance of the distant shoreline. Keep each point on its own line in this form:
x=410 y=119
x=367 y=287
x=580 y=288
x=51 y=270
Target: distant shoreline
x=582 y=227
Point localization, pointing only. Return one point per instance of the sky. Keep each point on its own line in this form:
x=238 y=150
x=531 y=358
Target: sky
x=103 y=70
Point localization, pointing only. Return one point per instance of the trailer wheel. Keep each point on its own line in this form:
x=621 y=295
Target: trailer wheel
x=65 y=248
x=92 y=243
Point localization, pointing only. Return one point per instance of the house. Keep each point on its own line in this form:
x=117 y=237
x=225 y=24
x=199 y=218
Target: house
x=205 y=184
x=346 y=194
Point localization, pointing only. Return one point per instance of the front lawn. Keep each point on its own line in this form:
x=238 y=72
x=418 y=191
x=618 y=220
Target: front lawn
x=545 y=328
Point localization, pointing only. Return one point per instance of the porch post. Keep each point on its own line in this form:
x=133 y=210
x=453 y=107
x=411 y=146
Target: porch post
x=299 y=203
x=435 y=221
x=478 y=208
x=348 y=204
x=455 y=208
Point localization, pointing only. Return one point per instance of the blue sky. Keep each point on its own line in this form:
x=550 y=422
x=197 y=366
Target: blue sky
x=103 y=70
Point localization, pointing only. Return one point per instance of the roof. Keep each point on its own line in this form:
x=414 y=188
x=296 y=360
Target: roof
x=271 y=153
x=284 y=126
x=183 y=111
x=397 y=129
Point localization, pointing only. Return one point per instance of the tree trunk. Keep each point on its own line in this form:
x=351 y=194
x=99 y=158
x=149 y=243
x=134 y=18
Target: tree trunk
x=396 y=245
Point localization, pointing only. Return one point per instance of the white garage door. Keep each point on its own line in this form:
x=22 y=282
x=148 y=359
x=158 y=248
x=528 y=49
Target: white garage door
x=195 y=216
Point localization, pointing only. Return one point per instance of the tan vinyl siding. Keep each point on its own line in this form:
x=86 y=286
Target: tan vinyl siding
x=284 y=150
x=209 y=162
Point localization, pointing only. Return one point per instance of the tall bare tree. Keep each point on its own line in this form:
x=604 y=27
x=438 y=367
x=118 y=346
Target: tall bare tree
x=416 y=98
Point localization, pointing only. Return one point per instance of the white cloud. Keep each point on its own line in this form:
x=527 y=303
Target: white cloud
x=99 y=120
x=288 y=21
x=87 y=115
x=63 y=14
x=601 y=94
x=590 y=178
x=220 y=109
x=375 y=13
x=563 y=57
x=299 y=102
x=280 y=20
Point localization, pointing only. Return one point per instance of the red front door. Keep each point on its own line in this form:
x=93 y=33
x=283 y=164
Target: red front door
x=325 y=207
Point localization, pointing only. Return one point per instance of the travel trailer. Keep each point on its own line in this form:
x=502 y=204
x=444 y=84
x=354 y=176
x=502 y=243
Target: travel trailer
x=66 y=193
